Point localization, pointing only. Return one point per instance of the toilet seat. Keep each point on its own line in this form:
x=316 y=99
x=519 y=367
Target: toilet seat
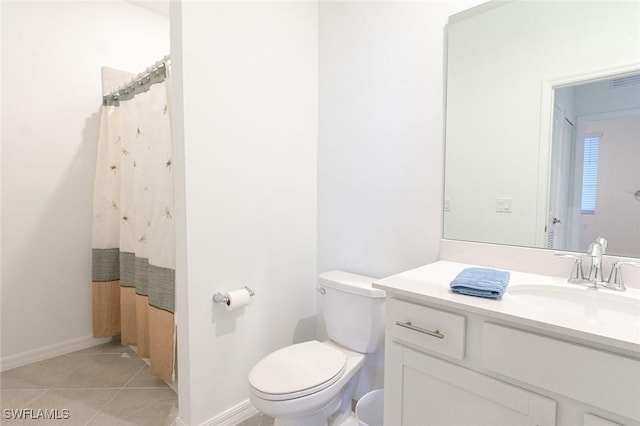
x=297 y=370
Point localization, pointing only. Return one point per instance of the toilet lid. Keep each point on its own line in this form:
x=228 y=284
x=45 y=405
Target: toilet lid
x=297 y=370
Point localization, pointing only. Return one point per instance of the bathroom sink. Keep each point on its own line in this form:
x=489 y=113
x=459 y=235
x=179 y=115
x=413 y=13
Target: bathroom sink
x=573 y=299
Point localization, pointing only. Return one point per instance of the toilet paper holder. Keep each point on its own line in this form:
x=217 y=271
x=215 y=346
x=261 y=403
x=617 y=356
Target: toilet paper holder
x=223 y=298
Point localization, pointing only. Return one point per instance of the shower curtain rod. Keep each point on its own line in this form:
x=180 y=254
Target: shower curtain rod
x=141 y=83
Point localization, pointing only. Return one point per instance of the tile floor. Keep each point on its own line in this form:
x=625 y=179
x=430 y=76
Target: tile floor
x=258 y=420
x=103 y=385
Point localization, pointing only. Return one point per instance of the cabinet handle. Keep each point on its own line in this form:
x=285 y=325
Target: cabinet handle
x=435 y=333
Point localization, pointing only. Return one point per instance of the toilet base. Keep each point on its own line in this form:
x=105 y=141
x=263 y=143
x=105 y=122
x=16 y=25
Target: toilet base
x=319 y=418
x=349 y=419
x=346 y=419
x=336 y=413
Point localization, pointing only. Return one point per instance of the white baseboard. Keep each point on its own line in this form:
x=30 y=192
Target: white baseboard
x=234 y=415
x=46 y=352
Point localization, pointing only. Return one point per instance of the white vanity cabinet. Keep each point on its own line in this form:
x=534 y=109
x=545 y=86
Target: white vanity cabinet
x=451 y=367
x=421 y=389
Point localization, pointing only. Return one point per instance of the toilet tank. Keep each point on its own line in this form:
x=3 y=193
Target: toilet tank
x=353 y=310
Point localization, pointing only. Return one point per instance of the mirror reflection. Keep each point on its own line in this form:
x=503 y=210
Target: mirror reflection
x=595 y=167
x=536 y=138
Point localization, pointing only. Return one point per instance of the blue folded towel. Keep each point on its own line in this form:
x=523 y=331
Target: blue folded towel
x=481 y=282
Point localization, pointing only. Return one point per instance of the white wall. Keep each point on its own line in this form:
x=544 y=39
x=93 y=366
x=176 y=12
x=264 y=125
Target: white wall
x=250 y=77
x=246 y=126
x=381 y=134
x=380 y=140
x=51 y=86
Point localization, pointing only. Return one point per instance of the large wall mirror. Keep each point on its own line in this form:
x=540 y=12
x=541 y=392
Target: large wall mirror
x=543 y=125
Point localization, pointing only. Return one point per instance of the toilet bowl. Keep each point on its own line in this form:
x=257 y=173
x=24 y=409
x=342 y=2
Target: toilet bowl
x=312 y=383
x=304 y=383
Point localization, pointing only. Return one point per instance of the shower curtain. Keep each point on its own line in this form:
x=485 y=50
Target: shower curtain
x=133 y=228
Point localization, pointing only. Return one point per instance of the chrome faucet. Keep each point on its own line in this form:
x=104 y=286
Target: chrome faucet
x=615 y=278
x=595 y=278
x=595 y=273
x=603 y=242
x=596 y=250
x=577 y=276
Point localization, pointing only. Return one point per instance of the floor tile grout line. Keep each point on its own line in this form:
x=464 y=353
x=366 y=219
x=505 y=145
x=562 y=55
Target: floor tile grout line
x=87 y=359
x=94 y=356
x=23 y=389
x=88 y=355
x=64 y=376
x=147 y=388
x=40 y=393
x=104 y=405
x=120 y=389
x=57 y=381
x=113 y=397
x=134 y=375
x=86 y=388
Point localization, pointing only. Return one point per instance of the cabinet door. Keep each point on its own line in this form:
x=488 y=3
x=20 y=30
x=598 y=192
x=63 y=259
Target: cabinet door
x=435 y=392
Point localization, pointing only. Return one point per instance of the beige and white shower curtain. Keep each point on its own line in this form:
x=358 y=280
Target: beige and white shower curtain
x=133 y=228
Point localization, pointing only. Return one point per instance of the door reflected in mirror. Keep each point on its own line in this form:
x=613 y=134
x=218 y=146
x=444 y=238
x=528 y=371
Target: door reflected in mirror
x=595 y=165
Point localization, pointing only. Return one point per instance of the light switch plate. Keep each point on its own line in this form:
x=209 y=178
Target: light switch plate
x=503 y=205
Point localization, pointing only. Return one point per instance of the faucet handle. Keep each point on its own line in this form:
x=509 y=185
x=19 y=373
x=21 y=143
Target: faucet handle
x=615 y=278
x=595 y=273
x=577 y=275
x=595 y=250
x=603 y=243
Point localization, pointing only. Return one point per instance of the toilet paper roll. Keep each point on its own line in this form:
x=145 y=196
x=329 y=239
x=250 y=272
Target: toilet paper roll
x=237 y=299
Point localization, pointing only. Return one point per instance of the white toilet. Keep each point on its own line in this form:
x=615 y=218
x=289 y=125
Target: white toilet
x=312 y=383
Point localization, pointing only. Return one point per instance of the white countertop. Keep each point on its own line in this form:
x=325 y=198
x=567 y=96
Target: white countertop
x=568 y=316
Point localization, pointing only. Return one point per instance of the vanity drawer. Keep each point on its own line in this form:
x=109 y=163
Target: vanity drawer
x=426 y=328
